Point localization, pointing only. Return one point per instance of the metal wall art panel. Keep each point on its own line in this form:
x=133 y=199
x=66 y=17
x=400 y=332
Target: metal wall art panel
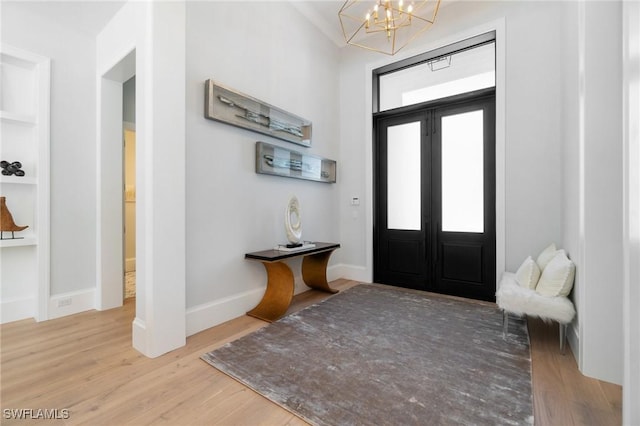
x=278 y=161
x=229 y=106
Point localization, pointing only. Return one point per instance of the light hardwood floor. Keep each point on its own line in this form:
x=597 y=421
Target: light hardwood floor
x=85 y=363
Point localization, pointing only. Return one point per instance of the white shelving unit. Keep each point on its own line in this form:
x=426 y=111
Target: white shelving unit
x=24 y=129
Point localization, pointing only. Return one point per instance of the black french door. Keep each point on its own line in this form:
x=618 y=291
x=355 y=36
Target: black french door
x=434 y=186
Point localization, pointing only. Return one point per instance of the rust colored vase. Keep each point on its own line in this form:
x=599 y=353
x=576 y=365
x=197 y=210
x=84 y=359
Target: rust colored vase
x=6 y=220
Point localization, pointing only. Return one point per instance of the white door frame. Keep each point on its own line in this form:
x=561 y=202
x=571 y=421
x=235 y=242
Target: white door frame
x=110 y=266
x=499 y=27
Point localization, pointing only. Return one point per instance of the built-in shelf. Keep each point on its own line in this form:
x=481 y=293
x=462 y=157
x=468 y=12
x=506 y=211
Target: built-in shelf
x=19 y=242
x=24 y=117
x=18 y=118
x=20 y=180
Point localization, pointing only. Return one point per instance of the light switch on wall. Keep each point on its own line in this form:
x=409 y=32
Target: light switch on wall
x=355 y=201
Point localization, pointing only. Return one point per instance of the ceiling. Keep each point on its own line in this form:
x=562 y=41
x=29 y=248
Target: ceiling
x=88 y=16
x=91 y=16
x=324 y=15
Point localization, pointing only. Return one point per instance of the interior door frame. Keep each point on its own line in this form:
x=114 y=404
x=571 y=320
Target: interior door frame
x=497 y=26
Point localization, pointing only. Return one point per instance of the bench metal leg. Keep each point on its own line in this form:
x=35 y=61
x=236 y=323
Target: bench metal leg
x=505 y=324
x=563 y=336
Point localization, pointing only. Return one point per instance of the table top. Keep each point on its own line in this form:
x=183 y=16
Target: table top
x=276 y=255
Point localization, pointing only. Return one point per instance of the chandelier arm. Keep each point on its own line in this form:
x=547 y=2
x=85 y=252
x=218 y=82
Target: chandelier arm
x=393 y=43
x=354 y=33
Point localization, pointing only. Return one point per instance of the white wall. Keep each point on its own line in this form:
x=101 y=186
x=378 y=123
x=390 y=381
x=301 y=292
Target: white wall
x=601 y=293
x=573 y=162
x=73 y=124
x=631 y=156
x=269 y=51
x=593 y=184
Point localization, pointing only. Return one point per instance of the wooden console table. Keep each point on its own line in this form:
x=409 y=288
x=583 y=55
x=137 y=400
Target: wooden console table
x=280 y=283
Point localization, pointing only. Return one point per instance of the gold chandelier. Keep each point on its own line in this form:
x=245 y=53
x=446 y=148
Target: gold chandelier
x=386 y=26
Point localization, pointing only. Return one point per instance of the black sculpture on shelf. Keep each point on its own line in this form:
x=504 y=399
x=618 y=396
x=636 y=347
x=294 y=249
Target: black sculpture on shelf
x=9 y=169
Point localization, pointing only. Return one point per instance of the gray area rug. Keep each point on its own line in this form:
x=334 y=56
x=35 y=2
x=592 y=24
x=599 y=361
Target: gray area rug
x=379 y=355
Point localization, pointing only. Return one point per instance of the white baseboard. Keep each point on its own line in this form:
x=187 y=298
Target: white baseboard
x=574 y=341
x=17 y=309
x=349 y=272
x=61 y=305
x=210 y=314
x=130 y=264
x=216 y=312
x=139 y=335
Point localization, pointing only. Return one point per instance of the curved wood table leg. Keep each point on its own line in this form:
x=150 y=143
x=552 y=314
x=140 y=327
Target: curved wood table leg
x=278 y=295
x=314 y=271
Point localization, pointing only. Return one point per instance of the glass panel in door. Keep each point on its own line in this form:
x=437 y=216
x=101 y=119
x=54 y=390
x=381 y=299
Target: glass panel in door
x=463 y=172
x=403 y=177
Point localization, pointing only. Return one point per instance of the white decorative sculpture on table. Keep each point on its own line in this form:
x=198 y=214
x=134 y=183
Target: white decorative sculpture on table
x=293 y=221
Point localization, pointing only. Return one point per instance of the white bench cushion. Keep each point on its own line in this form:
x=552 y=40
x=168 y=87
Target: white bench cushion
x=545 y=256
x=519 y=300
x=528 y=273
x=557 y=277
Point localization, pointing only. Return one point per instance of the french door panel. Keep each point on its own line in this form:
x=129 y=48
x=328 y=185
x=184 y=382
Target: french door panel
x=436 y=231
x=400 y=247
x=464 y=193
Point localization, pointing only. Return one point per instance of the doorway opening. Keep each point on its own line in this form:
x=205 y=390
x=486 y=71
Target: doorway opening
x=129 y=187
x=111 y=181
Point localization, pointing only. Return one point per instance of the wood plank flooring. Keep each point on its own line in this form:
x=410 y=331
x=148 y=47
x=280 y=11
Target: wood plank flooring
x=85 y=364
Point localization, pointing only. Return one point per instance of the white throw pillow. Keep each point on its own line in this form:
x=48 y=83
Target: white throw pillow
x=528 y=273
x=545 y=257
x=557 y=277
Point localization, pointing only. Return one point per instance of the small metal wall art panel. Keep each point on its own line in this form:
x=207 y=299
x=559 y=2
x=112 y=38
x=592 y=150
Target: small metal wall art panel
x=228 y=106
x=278 y=161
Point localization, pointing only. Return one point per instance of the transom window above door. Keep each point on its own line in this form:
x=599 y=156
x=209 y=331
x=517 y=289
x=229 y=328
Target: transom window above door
x=463 y=67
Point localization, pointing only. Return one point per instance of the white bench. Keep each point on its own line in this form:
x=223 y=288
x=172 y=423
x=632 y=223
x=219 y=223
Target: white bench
x=512 y=298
